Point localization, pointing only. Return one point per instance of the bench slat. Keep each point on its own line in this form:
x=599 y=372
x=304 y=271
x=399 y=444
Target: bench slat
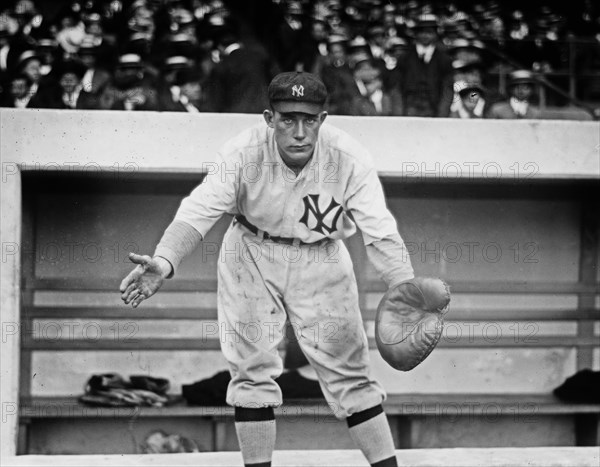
x=214 y=344
x=124 y=312
x=506 y=287
x=112 y=285
x=210 y=285
x=489 y=405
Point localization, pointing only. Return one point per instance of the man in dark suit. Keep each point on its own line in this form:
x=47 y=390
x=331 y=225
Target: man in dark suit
x=372 y=99
x=238 y=83
x=185 y=94
x=68 y=92
x=427 y=83
x=95 y=78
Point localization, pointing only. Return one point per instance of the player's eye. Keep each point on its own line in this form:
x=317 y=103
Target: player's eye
x=310 y=121
x=287 y=121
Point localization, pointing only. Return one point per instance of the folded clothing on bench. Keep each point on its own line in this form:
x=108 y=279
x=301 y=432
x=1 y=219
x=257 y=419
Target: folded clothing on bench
x=580 y=388
x=111 y=390
x=212 y=391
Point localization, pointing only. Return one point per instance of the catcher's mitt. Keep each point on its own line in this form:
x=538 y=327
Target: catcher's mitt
x=410 y=320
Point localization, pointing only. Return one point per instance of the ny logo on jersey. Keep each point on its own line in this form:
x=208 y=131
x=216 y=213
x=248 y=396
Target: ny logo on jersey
x=297 y=91
x=332 y=213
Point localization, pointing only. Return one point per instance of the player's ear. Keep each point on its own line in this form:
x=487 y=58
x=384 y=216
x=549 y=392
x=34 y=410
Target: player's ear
x=268 y=116
x=322 y=116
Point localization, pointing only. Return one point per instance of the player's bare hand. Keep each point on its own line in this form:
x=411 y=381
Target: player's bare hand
x=144 y=281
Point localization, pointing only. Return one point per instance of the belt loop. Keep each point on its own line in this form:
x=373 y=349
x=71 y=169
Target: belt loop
x=296 y=242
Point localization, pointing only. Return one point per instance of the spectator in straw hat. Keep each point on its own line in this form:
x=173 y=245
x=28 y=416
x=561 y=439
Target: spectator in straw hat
x=129 y=89
x=521 y=85
x=96 y=78
x=337 y=75
x=48 y=51
x=395 y=52
x=29 y=63
x=171 y=66
x=376 y=40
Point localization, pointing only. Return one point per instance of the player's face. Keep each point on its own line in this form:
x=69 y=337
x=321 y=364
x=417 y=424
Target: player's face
x=296 y=134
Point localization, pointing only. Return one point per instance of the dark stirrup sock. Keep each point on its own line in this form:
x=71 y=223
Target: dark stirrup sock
x=255 y=430
x=371 y=432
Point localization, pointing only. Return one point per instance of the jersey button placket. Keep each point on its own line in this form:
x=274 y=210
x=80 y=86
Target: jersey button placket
x=289 y=209
x=296 y=201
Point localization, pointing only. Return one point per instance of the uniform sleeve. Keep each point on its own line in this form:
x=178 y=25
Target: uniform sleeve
x=367 y=205
x=390 y=259
x=215 y=196
x=385 y=248
x=179 y=240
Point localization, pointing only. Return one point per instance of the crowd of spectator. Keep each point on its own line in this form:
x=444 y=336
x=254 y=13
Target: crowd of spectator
x=411 y=58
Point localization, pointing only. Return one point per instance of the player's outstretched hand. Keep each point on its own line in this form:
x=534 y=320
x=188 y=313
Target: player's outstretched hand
x=144 y=281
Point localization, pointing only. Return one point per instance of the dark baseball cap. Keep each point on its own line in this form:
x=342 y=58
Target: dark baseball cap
x=297 y=91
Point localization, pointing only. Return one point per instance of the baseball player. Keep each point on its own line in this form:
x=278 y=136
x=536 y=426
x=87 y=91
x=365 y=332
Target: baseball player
x=297 y=187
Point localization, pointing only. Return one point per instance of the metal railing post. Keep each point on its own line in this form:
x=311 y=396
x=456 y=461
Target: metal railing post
x=572 y=80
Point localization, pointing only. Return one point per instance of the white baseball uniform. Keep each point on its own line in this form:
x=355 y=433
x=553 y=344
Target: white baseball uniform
x=283 y=256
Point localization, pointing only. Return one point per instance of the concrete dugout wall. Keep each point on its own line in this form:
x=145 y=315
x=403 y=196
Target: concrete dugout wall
x=429 y=152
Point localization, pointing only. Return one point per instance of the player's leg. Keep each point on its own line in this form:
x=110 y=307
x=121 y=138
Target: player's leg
x=251 y=319
x=371 y=432
x=322 y=303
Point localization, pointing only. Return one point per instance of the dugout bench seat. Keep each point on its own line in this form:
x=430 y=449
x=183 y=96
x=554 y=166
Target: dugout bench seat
x=297 y=416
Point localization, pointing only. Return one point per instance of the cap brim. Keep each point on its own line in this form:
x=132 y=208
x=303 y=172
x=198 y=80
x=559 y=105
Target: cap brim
x=301 y=107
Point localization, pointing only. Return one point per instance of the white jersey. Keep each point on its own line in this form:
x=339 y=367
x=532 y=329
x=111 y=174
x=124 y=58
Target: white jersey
x=334 y=193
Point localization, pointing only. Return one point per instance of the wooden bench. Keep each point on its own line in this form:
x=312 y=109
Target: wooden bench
x=400 y=409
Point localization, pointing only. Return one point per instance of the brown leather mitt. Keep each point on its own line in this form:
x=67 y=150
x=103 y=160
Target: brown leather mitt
x=410 y=320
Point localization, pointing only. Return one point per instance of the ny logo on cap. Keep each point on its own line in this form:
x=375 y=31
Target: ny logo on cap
x=297 y=91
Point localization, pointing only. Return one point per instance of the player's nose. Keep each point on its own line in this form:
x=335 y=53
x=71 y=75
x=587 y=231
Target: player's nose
x=299 y=131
